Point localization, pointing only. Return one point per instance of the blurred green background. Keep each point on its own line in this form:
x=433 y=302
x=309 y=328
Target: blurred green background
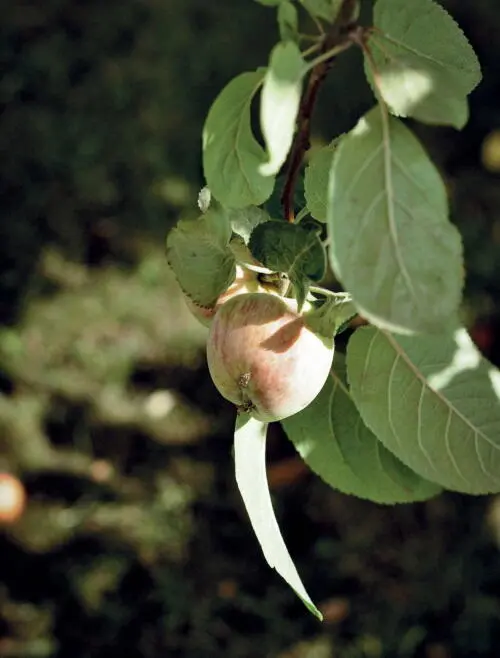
x=133 y=541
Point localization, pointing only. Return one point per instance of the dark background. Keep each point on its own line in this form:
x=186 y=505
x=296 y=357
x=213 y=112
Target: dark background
x=134 y=541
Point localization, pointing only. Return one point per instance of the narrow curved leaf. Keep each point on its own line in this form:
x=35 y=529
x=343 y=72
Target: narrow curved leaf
x=251 y=477
x=433 y=401
x=231 y=155
x=335 y=443
x=199 y=254
x=392 y=246
x=425 y=64
x=280 y=102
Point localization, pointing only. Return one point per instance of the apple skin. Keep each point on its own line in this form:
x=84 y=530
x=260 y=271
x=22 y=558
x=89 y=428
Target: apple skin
x=245 y=281
x=12 y=498
x=263 y=357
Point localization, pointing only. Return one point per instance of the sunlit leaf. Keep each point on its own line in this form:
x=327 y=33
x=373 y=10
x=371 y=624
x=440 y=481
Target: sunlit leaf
x=433 y=401
x=251 y=477
x=426 y=67
x=232 y=157
x=280 y=102
x=392 y=246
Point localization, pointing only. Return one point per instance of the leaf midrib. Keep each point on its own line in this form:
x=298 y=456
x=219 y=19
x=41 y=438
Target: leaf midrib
x=391 y=201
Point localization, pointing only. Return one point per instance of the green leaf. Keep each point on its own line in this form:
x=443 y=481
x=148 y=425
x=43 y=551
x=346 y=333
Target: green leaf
x=292 y=249
x=280 y=103
x=274 y=205
x=244 y=220
x=337 y=309
x=425 y=64
x=335 y=443
x=392 y=246
x=326 y=9
x=269 y=3
x=288 y=21
x=433 y=401
x=251 y=477
x=316 y=180
x=198 y=253
x=231 y=155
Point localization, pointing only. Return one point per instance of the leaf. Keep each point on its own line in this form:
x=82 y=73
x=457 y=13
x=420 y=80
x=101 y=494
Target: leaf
x=274 y=205
x=316 y=180
x=251 y=477
x=337 y=309
x=244 y=220
x=269 y=3
x=280 y=102
x=198 y=253
x=231 y=155
x=288 y=21
x=425 y=64
x=335 y=443
x=392 y=246
x=292 y=249
x=433 y=401
x=243 y=256
x=326 y=9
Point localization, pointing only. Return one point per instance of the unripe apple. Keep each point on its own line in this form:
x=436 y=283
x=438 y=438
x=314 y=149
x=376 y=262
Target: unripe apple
x=245 y=281
x=264 y=358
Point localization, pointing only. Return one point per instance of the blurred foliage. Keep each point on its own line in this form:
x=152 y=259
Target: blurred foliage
x=134 y=541
x=97 y=119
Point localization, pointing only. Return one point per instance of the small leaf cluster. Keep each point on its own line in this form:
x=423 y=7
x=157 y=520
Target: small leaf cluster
x=412 y=407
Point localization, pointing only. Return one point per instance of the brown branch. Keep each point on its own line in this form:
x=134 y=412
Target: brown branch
x=338 y=34
x=301 y=143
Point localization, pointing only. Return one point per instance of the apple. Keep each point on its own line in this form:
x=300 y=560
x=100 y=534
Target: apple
x=12 y=498
x=264 y=358
x=244 y=282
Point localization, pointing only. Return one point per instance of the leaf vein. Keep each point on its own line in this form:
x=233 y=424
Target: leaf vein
x=390 y=201
x=361 y=170
x=389 y=401
x=450 y=451
x=419 y=429
x=447 y=403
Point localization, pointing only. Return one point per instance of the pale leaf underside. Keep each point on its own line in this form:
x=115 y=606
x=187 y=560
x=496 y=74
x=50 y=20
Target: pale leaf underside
x=251 y=477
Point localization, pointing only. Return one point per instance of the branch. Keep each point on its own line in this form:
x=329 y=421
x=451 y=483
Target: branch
x=337 y=39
